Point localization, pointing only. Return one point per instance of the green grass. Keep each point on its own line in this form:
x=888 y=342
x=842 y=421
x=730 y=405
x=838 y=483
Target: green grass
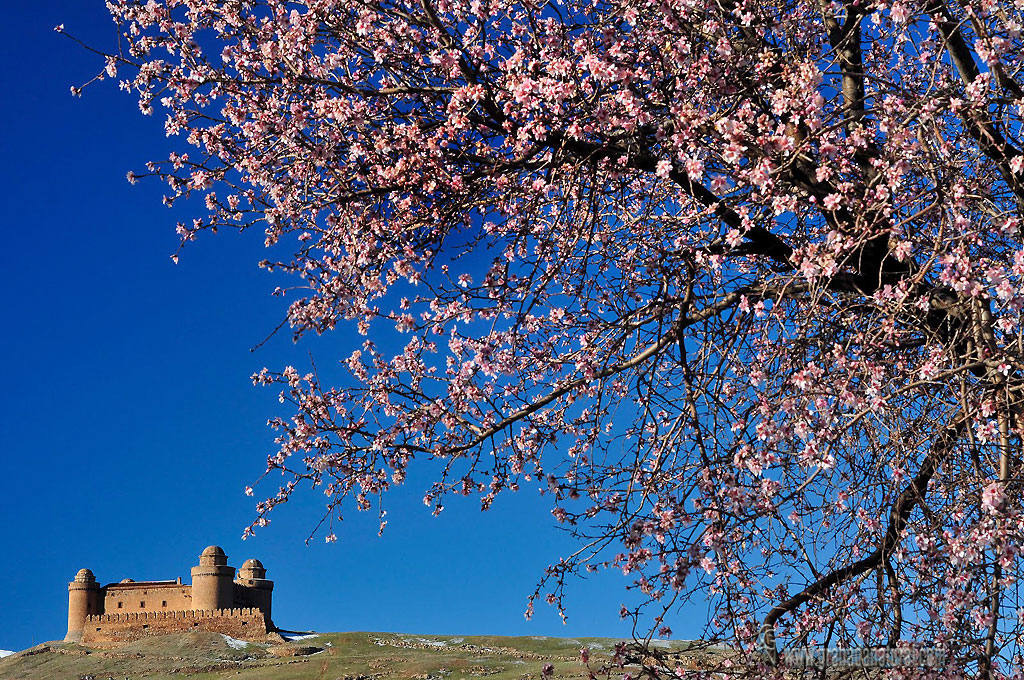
x=343 y=656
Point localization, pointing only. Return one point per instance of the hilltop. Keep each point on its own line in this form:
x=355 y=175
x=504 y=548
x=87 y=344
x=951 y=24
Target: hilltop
x=325 y=656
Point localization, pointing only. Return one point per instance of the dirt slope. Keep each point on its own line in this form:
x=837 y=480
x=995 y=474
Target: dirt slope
x=327 y=656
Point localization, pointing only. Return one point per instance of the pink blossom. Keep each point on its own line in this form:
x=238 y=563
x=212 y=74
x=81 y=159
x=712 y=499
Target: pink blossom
x=993 y=497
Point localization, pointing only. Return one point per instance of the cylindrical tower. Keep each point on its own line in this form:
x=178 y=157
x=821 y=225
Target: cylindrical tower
x=253 y=577
x=83 y=600
x=212 y=581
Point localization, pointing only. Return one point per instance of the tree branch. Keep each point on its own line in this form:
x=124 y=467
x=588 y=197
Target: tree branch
x=905 y=503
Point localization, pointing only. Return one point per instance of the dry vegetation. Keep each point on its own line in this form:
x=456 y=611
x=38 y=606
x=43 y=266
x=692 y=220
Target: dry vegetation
x=335 y=656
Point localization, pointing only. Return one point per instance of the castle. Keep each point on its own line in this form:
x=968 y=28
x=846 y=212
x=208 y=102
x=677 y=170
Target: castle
x=216 y=601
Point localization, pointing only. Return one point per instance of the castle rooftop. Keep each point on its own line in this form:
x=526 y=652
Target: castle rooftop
x=129 y=583
x=85 y=576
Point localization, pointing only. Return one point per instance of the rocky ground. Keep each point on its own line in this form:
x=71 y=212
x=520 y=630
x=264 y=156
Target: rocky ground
x=327 y=656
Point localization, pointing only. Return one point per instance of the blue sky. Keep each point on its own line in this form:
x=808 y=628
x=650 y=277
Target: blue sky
x=129 y=424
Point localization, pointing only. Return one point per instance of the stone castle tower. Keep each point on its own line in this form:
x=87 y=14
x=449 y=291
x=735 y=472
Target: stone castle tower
x=213 y=580
x=83 y=601
x=217 y=601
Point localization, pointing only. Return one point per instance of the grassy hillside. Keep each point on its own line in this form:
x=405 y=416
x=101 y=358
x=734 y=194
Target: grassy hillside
x=329 y=656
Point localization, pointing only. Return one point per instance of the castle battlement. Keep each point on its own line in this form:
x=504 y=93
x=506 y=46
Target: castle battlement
x=235 y=612
x=217 y=600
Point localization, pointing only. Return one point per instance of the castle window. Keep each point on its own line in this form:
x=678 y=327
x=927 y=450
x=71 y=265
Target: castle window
x=164 y=603
x=145 y=626
x=142 y=604
x=120 y=605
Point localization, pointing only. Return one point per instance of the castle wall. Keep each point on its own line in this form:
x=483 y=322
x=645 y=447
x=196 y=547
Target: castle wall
x=244 y=624
x=129 y=598
x=257 y=595
x=244 y=597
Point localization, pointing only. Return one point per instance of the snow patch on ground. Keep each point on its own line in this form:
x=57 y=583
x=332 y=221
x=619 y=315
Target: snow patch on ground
x=234 y=643
x=5 y=652
x=293 y=638
x=456 y=641
x=432 y=643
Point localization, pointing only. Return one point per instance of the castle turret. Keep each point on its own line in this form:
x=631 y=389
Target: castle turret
x=83 y=600
x=212 y=581
x=253 y=577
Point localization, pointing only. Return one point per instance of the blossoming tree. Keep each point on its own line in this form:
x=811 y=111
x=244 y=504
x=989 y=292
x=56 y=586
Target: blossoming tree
x=738 y=282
